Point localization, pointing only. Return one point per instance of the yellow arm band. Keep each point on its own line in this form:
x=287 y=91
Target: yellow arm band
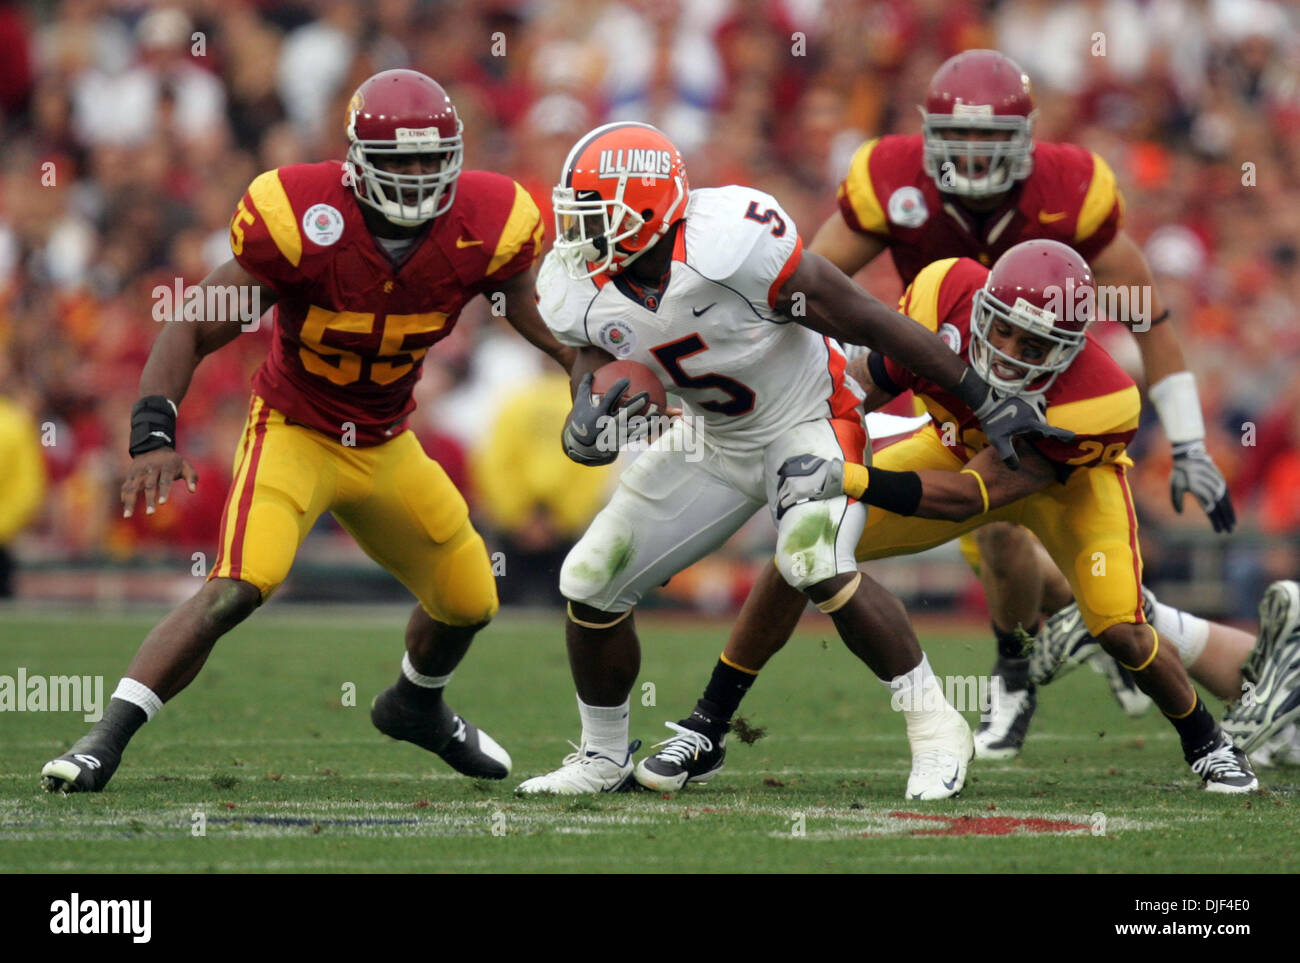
x=984 y=492
x=855 y=480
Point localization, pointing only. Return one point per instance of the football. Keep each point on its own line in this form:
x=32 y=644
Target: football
x=640 y=378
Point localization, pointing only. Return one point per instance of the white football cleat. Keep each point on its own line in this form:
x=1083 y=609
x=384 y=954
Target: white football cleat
x=1002 y=732
x=939 y=761
x=583 y=772
x=1282 y=749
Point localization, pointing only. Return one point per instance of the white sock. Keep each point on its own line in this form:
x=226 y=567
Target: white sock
x=604 y=729
x=424 y=681
x=128 y=690
x=919 y=696
x=1188 y=632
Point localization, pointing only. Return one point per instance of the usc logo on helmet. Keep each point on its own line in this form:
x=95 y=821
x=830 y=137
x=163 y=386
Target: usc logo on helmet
x=622 y=188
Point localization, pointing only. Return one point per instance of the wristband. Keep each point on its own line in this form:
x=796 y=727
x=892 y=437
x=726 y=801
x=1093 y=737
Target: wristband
x=984 y=491
x=894 y=491
x=855 y=480
x=1179 y=407
x=153 y=425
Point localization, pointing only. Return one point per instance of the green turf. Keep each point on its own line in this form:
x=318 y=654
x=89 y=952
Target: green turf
x=288 y=779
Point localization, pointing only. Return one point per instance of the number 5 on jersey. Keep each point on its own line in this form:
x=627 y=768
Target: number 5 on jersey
x=670 y=355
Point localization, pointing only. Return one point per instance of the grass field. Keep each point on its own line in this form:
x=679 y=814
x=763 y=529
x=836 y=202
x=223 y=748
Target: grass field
x=287 y=778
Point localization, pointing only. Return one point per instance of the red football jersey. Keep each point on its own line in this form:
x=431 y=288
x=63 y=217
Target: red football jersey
x=1070 y=196
x=1093 y=397
x=351 y=325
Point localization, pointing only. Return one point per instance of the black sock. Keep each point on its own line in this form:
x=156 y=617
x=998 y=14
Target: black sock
x=727 y=686
x=1013 y=656
x=120 y=722
x=1197 y=730
x=418 y=695
x=1016 y=643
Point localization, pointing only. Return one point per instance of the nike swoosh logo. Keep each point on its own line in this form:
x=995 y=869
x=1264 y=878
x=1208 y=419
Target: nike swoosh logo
x=806 y=464
x=461 y=242
x=1045 y=218
x=1000 y=415
x=698 y=311
x=950 y=783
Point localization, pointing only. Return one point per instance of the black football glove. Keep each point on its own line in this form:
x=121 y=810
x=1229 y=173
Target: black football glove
x=594 y=430
x=1195 y=472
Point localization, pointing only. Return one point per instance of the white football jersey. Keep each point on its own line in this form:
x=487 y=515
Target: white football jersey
x=712 y=335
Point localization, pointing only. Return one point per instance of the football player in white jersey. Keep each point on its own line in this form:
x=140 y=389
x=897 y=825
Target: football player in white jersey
x=711 y=289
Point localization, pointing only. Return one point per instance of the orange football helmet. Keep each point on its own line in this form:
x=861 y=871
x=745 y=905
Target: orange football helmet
x=622 y=187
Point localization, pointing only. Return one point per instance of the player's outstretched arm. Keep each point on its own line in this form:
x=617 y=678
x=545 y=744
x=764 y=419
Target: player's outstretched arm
x=176 y=354
x=819 y=296
x=986 y=483
x=1173 y=387
x=521 y=311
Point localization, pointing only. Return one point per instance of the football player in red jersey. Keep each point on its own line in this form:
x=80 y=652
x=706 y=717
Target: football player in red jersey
x=368 y=264
x=974 y=184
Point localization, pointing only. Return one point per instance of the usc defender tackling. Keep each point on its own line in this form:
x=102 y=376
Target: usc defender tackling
x=369 y=264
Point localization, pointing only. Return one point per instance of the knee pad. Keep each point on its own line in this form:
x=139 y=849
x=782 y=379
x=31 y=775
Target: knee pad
x=466 y=590
x=816 y=542
x=592 y=569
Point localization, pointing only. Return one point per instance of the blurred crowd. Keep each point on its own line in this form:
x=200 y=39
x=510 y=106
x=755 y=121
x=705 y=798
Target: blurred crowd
x=131 y=128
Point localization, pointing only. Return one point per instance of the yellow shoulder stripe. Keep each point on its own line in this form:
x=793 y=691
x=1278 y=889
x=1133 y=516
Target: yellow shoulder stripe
x=862 y=193
x=1117 y=411
x=523 y=225
x=921 y=299
x=274 y=208
x=1097 y=203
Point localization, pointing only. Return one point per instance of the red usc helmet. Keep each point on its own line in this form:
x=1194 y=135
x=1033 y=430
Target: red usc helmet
x=986 y=92
x=401 y=114
x=1045 y=288
x=622 y=187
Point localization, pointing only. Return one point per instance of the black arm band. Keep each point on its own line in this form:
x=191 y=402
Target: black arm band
x=880 y=374
x=153 y=425
x=894 y=491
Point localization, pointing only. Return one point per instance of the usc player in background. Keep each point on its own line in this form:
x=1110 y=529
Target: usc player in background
x=369 y=264
x=974 y=184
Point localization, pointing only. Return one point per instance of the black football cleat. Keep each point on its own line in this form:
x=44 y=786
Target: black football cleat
x=688 y=756
x=459 y=743
x=83 y=768
x=1223 y=767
